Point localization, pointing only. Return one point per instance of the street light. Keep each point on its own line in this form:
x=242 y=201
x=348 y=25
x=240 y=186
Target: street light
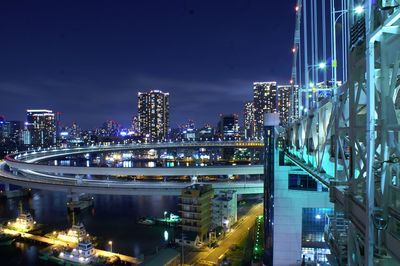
x=110 y=243
x=322 y=65
x=358 y=10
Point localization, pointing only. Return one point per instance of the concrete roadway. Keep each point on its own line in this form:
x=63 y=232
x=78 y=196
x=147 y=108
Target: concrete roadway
x=211 y=256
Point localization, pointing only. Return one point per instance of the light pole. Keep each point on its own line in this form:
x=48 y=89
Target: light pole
x=321 y=66
x=110 y=243
x=358 y=10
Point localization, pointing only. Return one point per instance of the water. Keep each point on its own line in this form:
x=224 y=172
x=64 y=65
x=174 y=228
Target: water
x=112 y=218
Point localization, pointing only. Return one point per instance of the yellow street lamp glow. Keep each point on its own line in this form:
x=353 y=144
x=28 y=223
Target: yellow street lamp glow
x=110 y=242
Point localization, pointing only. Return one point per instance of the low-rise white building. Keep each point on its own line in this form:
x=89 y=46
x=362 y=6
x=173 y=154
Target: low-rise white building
x=224 y=209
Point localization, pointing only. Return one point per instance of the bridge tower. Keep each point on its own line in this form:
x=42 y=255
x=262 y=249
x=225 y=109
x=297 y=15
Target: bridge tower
x=350 y=141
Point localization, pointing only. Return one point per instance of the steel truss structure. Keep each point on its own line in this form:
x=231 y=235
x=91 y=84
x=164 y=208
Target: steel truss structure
x=350 y=142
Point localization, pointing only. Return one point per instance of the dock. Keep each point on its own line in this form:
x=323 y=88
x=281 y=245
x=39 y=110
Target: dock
x=50 y=241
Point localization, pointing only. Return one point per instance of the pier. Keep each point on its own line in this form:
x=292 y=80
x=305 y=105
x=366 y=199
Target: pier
x=57 y=242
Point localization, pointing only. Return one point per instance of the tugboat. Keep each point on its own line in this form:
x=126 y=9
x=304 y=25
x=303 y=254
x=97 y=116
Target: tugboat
x=73 y=235
x=83 y=254
x=23 y=223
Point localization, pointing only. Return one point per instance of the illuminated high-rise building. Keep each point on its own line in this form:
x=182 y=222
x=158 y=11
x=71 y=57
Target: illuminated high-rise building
x=41 y=127
x=10 y=130
x=135 y=126
x=249 y=120
x=228 y=127
x=205 y=133
x=284 y=103
x=153 y=115
x=265 y=101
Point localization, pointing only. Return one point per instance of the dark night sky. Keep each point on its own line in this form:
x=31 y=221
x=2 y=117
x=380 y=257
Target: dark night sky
x=88 y=59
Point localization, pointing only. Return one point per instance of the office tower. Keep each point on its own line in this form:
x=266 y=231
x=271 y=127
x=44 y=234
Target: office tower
x=12 y=131
x=265 y=101
x=153 y=115
x=57 y=123
x=205 y=133
x=75 y=131
x=288 y=211
x=110 y=128
x=285 y=97
x=228 y=127
x=135 y=126
x=249 y=120
x=188 y=131
x=195 y=208
x=41 y=127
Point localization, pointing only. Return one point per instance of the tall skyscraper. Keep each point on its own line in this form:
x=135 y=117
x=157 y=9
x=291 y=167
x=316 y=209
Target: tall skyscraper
x=12 y=131
x=228 y=127
x=153 y=115
x=249 y=120
x=41 y=127
x=286 y=111
x=265 y=101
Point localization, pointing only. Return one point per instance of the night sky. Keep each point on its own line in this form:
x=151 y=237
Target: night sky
x=88 y=59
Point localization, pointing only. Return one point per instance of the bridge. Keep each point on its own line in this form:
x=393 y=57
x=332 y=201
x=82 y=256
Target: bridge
x=26 y=172
x=35 y=180
x=43 y=153
x=349 y=138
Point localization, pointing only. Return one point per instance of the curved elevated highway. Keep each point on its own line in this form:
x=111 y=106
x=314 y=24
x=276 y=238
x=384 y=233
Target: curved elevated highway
x=25 y=171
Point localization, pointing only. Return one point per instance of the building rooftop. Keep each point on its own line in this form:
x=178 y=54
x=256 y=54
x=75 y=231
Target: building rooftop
x=225 y=196
x=197 y=190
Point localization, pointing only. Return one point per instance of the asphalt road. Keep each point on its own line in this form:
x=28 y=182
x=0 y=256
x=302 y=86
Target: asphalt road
x=211 y=256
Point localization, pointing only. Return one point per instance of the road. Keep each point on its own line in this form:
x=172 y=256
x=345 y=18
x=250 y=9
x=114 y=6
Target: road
x=211 y=256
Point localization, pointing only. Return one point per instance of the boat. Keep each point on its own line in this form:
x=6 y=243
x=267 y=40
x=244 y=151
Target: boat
x=76 y=233
x=83 y=254
x=72 y=235
x=23 y=223
x=170 y=219
x=146 y=221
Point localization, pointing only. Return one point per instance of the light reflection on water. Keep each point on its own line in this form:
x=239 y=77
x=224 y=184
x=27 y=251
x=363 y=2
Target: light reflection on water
x=112 y=218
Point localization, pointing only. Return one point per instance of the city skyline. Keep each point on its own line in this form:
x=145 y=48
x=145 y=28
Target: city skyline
x=222 y=59
x=200 y=133
x=210 y=121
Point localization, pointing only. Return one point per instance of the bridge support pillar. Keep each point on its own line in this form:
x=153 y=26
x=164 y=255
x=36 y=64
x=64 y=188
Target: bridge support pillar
x=78 y=179
x=15 y=193
x=78 y=201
